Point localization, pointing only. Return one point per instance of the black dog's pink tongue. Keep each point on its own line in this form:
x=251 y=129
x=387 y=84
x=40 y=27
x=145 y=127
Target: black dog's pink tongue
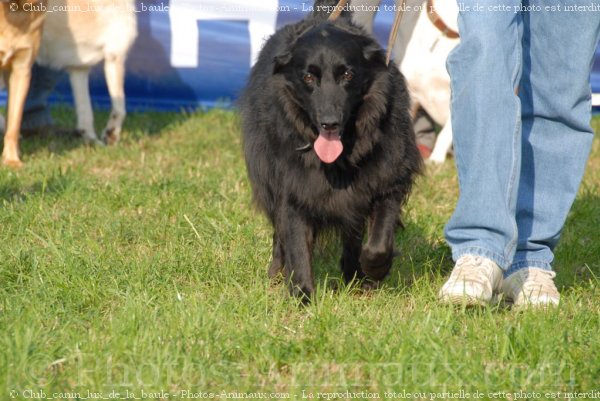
x=328 y=146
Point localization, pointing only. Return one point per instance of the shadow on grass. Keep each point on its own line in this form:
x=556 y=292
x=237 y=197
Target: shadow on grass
x=578 y=252
x=417 y=258
x=56 y=184
x=137 y=125
x=143 y=124
x=55 y=143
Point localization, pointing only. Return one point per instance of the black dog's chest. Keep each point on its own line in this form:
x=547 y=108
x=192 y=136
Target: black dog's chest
x=331 y=194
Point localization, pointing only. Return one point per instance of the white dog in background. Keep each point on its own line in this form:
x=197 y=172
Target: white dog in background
x=421 y=51
x=77 y=35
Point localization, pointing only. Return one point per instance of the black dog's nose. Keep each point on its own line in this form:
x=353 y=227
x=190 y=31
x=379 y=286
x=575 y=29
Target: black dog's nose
x=330 y=126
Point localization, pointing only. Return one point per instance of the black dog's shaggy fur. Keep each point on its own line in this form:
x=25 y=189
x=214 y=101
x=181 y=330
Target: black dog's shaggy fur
x=318 y=82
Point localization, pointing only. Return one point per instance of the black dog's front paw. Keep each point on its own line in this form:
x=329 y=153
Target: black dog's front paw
x=376 y=263
x=275 y=270
x=303 y=293
x=369 y=285
x=359 y=280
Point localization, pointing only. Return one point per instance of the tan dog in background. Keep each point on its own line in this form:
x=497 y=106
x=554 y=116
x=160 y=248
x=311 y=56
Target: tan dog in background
x=78 y=34
x=421 y=51
x=20 y=33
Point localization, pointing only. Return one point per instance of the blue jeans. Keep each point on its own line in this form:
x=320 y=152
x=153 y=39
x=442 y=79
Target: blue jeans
x=36 y=113
x=520 y=158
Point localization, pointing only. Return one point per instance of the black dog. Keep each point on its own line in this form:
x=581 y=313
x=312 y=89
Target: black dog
x=328 y=142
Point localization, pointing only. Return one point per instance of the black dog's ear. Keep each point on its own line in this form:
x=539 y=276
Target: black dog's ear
x=281 y=61
x=372 y=52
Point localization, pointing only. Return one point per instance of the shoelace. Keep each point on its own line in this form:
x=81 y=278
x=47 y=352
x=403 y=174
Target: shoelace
x=473 y=268
x=537 y=281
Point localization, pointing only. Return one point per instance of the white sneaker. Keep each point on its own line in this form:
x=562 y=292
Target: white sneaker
x=473 y=281
x=531 y=286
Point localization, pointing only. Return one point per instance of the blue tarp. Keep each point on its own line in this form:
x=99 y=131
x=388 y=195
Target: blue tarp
x=223 y=58
x=197 y=53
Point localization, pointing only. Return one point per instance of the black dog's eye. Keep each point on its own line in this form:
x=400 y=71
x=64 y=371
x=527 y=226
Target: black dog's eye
x=348 y=75
x=308 y=78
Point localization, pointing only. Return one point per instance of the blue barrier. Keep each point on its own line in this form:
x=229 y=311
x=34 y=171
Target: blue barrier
x=203 y=73
x=197 y=53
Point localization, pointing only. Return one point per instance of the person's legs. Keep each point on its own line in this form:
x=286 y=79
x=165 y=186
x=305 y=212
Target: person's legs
x=485 y=70
x=36 y=114
x=555 y=92
x=558 y=50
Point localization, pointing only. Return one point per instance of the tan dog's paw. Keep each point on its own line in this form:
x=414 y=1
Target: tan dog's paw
x=12 y=163
x=93 y=141
x=111 y=137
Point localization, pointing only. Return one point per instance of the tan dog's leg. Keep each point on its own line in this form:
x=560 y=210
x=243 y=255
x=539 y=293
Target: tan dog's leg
x=442 y=144
x=79 y=78
x=18 y=85
x=114 y=70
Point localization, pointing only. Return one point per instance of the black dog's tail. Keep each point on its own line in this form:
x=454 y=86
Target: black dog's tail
x=322 y=9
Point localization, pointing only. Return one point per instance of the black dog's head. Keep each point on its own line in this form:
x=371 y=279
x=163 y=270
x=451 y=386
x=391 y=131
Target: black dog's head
x=328 y=71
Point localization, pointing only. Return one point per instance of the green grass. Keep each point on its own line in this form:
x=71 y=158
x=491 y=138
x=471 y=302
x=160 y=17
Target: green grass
x=142 y=267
